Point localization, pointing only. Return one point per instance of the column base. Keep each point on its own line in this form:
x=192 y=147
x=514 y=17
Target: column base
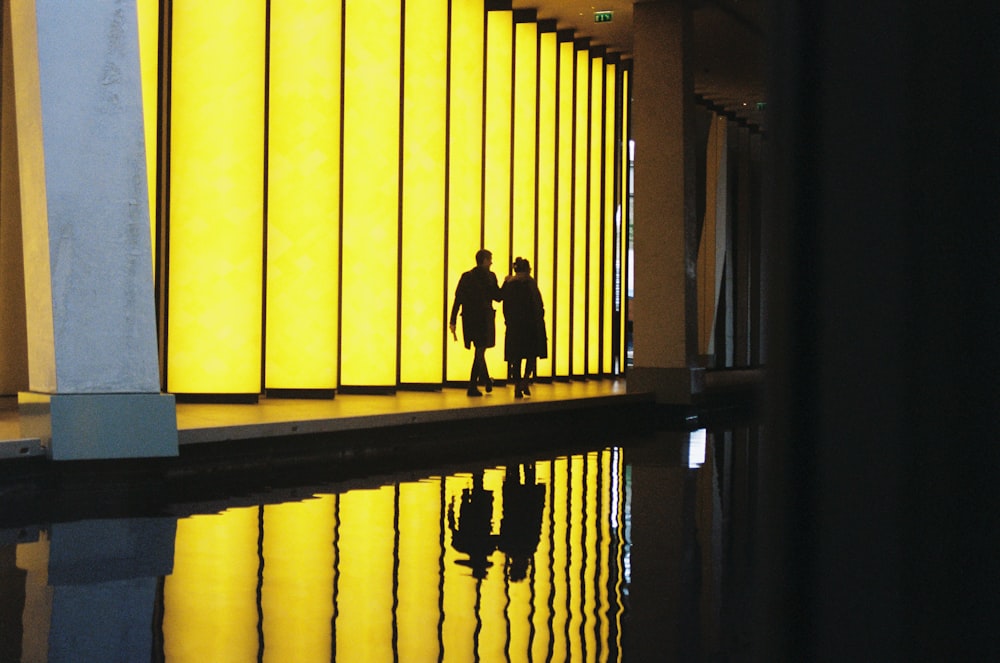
x=672 y=386
x=101 y=426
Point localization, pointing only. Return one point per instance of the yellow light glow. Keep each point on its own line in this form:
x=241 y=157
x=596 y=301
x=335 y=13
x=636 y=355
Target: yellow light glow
x=418 y=612
x=370 y=222
x=298 y=580
x=425 y=85
x=148 y=13
x=365 y=576
x=581 y=301
x=465 y=159
x=525 y=136
x=595 y=226
x=216 y=197
x=608 y=255
x=460 y=589
x=303 y=200
x=545 y=267
x=497 y=156
x=561 y=557
x=563 y=305
x=210 y=598
x=625 y=216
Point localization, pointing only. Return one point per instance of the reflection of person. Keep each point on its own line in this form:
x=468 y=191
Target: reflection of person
x=472 y=531
x=474 y=295
x=521 y=525
x=524 y=314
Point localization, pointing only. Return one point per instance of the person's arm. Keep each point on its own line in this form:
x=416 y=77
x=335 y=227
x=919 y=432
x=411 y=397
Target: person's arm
x=453 y=319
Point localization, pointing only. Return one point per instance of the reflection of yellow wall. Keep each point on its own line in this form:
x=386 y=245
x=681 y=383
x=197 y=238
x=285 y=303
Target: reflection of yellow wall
x=210 y=599
x=216 y=196
x=420 y=530
x=302 y=195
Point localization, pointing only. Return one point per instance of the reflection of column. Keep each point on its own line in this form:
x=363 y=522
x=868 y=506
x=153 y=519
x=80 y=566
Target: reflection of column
x=102 y=577
x=418 y=552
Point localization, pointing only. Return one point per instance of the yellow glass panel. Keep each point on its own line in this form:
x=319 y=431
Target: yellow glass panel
x=365 y=581
x=297 y=589
x=581 y=302
x=563 y=306
x=216 y=197
x=303 y=199
x=419 y=554
x=465 y=159
x=425 y=87
x=544 y=270
x=525 y=136
x=210 y=598
x=608 y=254
x=625 y=217
x=497 y=157
x=148 y=12
x=370 y=222
x=595 y=226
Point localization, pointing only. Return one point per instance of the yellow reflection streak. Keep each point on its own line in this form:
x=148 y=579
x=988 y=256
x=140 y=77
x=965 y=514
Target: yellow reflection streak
x=210 y=599
x=497 y=156
x=296 y=595
x=465 y=159
x=596 y=224
x=545 y=268
x=581 y=301
x=303 y=199
x=216 y=197
x=424 y=140
x=419 y=552
x=608 y=256
x=461 y=589
x=563 y=305
x=148 y=12
x=370 y=222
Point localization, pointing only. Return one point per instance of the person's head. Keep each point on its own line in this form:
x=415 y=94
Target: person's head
x=522 y=266
x=484 y=258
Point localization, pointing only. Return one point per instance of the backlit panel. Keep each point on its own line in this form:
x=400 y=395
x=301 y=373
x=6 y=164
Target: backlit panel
x=545 y=267
x=625 y=203
x=216 y=197
x=563 y=306
x=303 y=197
x=497 y=158
x=596 y=221
x=525 y=136
x=148 y=14
x=608 y=254
x=370 y=179
x=465 y=160
x=422 y=326
x=581 y=302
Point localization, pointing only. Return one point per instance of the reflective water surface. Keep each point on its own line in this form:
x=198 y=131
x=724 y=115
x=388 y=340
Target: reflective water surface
x=630 y=551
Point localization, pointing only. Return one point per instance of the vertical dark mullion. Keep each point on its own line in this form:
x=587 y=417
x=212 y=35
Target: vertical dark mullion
x=161 y=275
x=447 y=197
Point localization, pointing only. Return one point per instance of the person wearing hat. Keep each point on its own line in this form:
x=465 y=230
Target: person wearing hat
x=474 y=296
x=524 y=315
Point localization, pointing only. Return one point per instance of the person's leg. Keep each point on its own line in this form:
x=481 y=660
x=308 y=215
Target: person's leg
x=474 y=373
x=516 y=377
x=529 y=373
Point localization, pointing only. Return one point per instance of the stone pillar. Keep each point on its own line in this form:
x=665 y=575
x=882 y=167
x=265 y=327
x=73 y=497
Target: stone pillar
x=92 y=356
x=665 y=333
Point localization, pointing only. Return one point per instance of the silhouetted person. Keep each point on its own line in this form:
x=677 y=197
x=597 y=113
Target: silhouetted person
x=472 y=531
x=474 y=295
x=521 y=525
x=524 y=314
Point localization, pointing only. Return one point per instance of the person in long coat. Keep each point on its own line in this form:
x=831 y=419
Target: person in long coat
x=476 y=291
x=524 y=314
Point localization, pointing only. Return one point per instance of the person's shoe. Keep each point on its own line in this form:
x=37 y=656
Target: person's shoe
x=472 y=391
x=518 y=393
x=489 y=385
x=527 y=392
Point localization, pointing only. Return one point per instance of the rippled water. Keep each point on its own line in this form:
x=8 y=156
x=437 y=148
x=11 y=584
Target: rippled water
x=629 y=551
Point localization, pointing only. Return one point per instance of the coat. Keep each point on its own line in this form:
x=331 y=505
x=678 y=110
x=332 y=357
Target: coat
x=475 y=293
x=524 y=314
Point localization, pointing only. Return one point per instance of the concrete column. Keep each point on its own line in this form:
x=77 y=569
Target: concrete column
x=92 y=355
x=665 y=333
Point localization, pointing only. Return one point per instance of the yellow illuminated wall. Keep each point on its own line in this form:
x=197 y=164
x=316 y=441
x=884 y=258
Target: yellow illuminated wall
x=565 y=181
x=625 y=216
x=581 y=213
x=216 y=180
x=595 y=225
x=148 y=14
x=370 y=205
x=497 y=158
x=422 y=328
x=302 y=196
x=607 y=255
x=465 y=160
x=525 y=116
x=545 y=266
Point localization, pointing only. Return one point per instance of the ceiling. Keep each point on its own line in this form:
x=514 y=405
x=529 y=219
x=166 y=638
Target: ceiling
x=729 y=44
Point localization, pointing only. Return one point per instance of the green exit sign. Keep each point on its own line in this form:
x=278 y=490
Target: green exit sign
x=603 y=17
